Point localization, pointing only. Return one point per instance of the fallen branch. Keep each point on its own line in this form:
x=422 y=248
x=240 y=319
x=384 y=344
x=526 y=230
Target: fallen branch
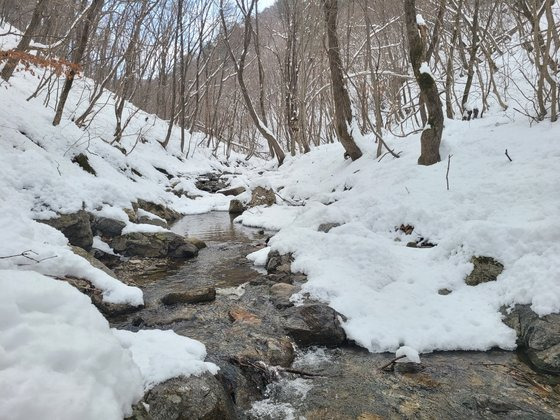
x=392 y=363
x=272 y=372
x=510 y=159
x=26 y=254
x=290 y=202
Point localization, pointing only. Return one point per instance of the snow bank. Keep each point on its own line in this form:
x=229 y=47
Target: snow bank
x=389 y=292
x=58 y=357
x=162 y=355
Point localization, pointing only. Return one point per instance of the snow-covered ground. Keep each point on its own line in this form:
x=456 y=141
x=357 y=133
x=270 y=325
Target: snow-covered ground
x=389 y=292
x=58 y=357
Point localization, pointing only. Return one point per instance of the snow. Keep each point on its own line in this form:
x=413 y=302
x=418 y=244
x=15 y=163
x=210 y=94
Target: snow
x=410 y=355
x=58 y=357
x=389 y=292
x=99 y=244
x=259 y=257
x=162 y=355
x=420 y=20
x=425 y=69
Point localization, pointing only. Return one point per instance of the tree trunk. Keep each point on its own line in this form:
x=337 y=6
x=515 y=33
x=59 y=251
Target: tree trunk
x=342 y=106
x=431 y=137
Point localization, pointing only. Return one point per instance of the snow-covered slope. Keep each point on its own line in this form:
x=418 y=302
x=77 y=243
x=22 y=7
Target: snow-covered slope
x=389 y=292
x=58 y=357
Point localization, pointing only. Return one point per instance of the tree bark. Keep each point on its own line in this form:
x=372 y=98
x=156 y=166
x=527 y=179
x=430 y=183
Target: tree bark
x=431 y=137
x=342 y=106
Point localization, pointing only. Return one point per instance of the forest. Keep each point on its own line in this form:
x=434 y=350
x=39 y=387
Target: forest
x=279 y=209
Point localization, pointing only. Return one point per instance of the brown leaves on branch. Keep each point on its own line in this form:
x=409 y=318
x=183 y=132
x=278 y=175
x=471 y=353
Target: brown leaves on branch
x=58 y=66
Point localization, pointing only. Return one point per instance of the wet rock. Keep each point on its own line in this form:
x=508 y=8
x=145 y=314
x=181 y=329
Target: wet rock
x=106 y=226
x=199 y=243
x=233 y=191
x=159 y=210
x=420 y=243
x=154 y=245
x=262 y=197
x=236 y=207
x=314 y=325
x=485 y=269
x=193 y=398
x=243 y=316
x=75 y=226
x=200 y=295
x=538 y=337
x=326 y=227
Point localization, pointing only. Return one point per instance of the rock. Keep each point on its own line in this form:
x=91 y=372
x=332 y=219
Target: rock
x=444 y=292
x=276 y=263
x=152 y=221
x=233 y=191
x=132 y=216
x=280 y=351
x=538 y=337
x=106 y=226
x=485 y=269
x=236 y=207
x=280 y=294
x=326 y=227
x=200 y=295
x=243 y=316
x=107 y=309
x=154 y=245
x=93 y=261
x=199 y=243
x=83 y=162
x=159 y=210
x=210 y=182
x=110 y=260
x=75 y=226
x=314 y=325
x=192 y=398
x=262 y=197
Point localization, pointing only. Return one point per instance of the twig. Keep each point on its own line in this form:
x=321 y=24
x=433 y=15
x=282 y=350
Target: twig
x=26 y=253
x=447 y=174
x=391 y=364
x=395 y=155
x=293 y=203
x=510 y=159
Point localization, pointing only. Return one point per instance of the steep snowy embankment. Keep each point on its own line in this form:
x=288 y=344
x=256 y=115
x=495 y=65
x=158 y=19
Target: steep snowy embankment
x=389 y=292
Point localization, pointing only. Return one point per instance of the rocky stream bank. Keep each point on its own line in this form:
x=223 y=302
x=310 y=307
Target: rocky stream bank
x=280 y=361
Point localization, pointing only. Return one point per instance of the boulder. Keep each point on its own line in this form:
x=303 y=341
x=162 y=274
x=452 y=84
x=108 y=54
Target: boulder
x=243 y=316
x=538 y=337
x=262 y=197
x=105 y=226
x=326 y=227
x=485 y=269
x=314 y=325
x=200 y=295
x=154 y=245
x=132 y=216
x=159 y=210
x=236 y=207
x=93 y=261
x=75 y=226
x=233 y=191
x=192 y=398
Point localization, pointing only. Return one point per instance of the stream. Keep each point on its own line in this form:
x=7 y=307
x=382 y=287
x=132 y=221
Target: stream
x=345 y=382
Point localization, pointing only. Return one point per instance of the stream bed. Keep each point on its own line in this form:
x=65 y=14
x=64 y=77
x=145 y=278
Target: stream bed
x=346 y=382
